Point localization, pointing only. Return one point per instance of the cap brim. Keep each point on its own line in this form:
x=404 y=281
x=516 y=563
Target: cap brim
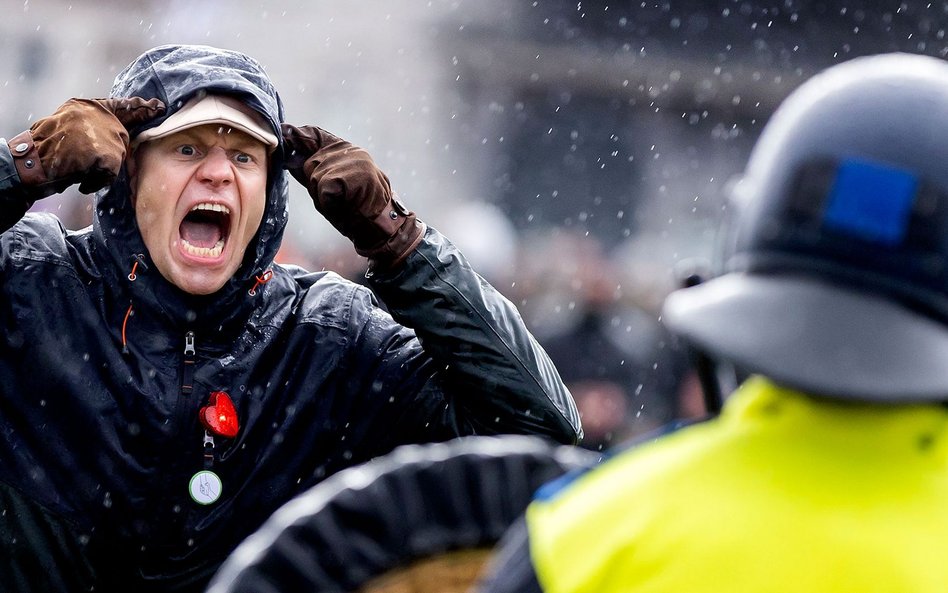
x=211 y=109
x=815 y=336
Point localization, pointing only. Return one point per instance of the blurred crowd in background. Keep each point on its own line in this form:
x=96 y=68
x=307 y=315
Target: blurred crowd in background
x=579 y=153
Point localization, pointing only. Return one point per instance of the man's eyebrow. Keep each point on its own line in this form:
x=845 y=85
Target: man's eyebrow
x=239 y=140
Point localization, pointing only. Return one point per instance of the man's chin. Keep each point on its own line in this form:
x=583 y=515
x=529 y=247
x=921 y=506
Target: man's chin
x=200 y=283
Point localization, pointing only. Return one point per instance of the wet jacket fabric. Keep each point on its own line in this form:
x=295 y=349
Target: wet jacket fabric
x=782 y=493
x=104 y=367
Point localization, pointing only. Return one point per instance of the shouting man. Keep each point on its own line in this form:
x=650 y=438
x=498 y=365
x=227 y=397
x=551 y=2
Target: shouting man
x=164 y=385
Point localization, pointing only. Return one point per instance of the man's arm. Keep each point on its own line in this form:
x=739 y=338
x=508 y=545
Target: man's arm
x=13 y=202
x=497 y=373
x=84 y=142
x=496 y=377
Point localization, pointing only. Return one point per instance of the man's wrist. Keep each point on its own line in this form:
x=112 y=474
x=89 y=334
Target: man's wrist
x=14 y=200
x=393 y=253
x=26 y=159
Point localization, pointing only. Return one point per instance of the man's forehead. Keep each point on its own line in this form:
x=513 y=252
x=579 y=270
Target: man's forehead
x=213 y=133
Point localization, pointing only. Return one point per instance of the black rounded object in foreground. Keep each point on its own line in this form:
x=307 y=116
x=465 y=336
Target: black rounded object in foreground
x=416 y=502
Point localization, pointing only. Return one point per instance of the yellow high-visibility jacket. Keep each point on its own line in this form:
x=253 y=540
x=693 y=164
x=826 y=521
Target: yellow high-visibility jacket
x=782 y=493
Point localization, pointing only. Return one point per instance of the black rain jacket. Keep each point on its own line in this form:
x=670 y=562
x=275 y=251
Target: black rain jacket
x=99 y=428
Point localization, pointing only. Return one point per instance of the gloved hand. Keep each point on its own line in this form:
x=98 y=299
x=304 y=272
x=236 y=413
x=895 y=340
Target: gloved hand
x=84 y=142
x=353 y=194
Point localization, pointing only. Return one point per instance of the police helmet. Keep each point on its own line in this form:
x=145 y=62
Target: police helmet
x=835 y=270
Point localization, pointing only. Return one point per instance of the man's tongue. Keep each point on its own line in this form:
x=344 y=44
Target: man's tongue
x=200 y=234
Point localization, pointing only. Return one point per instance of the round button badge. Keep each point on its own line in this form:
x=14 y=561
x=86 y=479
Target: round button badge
x=205 y=487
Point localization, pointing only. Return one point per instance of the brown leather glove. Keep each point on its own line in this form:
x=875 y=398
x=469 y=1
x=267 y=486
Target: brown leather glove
x=84 y=142
x=353 y=194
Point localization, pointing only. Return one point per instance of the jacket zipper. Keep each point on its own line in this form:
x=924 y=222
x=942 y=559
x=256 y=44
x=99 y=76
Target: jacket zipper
x=169 y=523
x=187 y=377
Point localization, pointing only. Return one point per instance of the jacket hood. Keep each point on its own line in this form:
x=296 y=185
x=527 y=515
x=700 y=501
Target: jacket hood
x=174 y=74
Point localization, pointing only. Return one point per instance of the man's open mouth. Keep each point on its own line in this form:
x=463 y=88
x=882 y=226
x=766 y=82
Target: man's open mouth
x=204 y=230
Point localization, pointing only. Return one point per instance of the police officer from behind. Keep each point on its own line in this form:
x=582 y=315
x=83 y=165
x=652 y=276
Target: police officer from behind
x=828 y=468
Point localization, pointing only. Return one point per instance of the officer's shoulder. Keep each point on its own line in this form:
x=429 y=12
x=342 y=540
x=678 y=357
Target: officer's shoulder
x=641 y=446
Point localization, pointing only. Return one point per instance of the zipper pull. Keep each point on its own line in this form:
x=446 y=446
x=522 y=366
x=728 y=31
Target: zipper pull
x=187 y=377
x=208 y=450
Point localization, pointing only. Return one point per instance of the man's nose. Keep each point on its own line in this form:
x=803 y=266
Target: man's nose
x=216 y=167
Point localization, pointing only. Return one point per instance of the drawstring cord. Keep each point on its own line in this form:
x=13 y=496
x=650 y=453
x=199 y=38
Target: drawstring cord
x=132 y=276
x=124 y=323
x=139 y=259
x=261 y=280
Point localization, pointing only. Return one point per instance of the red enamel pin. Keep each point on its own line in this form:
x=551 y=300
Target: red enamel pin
x=219 y=417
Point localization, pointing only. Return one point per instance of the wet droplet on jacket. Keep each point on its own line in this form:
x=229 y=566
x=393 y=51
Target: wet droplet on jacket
x=925 y=442
x=107 y=500
x=15 y=339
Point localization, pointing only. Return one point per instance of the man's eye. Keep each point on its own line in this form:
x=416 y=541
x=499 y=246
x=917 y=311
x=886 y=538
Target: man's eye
x=243 y=157
x=186 y=150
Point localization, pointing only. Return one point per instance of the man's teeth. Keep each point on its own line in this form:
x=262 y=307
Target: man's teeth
x=204 y=251
x=212 y=207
